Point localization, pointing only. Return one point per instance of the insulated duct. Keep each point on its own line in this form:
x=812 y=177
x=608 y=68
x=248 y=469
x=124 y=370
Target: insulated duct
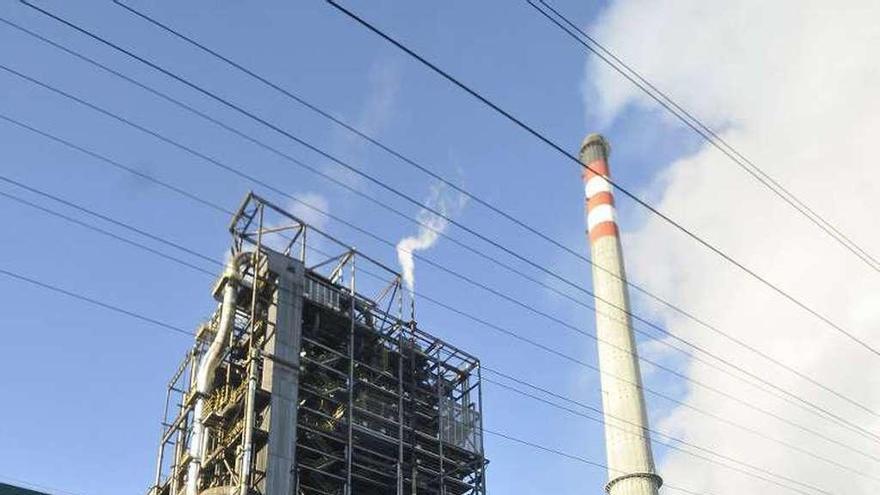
x=207 y=366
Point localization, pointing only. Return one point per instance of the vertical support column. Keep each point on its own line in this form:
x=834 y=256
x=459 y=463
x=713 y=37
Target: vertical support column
x=400 y=417
x=178 y=453
x=349 y=455
x=302 y=254
x=247 y=456
x=414 y=478
x=440 y=374
x=162 y=430
x=184 y=426
x=628 y=448
x=281 y=372
x=482 y=489
x=400 y=348
x=253 y=370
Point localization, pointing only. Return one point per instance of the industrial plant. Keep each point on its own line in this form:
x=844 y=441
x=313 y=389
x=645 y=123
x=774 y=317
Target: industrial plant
x=186 y=313
x=308 y=379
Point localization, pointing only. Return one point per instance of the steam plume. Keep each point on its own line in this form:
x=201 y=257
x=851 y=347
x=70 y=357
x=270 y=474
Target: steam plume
x=442 y=201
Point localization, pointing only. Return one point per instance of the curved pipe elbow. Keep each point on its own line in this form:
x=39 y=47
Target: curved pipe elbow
x=209 y=362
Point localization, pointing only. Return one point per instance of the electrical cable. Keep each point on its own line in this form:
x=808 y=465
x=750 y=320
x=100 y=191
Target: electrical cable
x=173 y=328
x=655 y=393
x=450 y=308
x=704 y=131
x=7 y=273
x=674 y=446
x=97 y=229
x=454 y=273
x=637 y=199
x=376 y=142
x=176 y=245
x=93 y=301
x=832 y=416
x=179 y=330
x=461 y=276
x=577 y=458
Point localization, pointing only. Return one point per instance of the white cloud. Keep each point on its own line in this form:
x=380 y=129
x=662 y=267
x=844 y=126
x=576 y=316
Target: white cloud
x=309 y=215
x=375 y=114
x=377 y=111
x=794 y=85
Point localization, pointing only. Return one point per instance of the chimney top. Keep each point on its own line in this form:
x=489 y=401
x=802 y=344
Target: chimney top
x=596 y=139
x=595 y=147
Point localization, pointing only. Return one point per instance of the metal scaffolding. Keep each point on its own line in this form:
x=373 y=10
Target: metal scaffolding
x=319 y=389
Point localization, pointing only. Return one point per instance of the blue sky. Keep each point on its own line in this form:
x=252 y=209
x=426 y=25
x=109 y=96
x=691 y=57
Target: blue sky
x=84 y=387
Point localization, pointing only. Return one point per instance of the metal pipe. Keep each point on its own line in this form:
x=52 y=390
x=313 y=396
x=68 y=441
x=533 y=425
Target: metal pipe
x=205 y=373
x=480 y=421
x=247 y=442
x=627 y=446
x=250 y=413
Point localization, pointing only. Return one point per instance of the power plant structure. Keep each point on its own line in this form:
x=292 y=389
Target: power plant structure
x=308 y=380
x=627 y=444
x=302 y=383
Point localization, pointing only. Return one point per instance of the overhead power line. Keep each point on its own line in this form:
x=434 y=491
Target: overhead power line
x=458 y=275
x=533 y=230
x=582 y=460
x=439 y=233
x=788 y=396
x=235 y=171
x=99 y=230
x=668 y=398
x=448 y=307
x=178 y=330
x=708 y=455
x=91 y=300
x=699 y=127
x=158 y=238
x=626 y=192
x=191 y=266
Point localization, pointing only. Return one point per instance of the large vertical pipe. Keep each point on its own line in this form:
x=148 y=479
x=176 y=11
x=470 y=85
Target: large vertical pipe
x=628 y=449
x=205 y=372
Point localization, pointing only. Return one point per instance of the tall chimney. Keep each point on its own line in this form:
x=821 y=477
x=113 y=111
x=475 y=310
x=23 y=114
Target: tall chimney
x=627 y=446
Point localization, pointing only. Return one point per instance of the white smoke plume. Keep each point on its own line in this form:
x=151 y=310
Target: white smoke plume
x=443 y=201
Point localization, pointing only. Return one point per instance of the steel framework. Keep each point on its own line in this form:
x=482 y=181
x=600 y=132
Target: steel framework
x=320 y=389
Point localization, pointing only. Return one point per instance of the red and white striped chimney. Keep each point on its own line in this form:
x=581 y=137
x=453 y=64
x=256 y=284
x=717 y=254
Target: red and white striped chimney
x=601 y=218
x=627 y=445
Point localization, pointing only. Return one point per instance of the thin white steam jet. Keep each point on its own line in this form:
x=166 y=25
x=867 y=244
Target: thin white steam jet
x=441 y=200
